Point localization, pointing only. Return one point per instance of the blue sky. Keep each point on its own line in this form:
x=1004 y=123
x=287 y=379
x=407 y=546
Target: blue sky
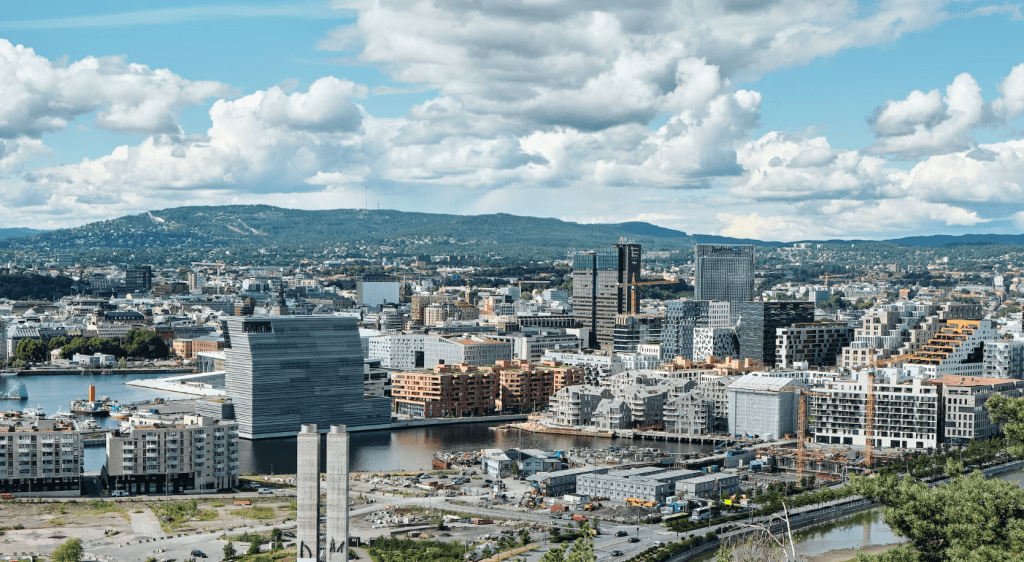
x=775 y=120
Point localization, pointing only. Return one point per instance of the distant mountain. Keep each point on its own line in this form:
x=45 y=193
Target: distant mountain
x=17 y=232
x=964 y=239
x=271 y=230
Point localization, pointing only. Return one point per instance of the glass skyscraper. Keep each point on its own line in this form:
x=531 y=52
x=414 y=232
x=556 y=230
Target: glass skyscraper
x=600 y=289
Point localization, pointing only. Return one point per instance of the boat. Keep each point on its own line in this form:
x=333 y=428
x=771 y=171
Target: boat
x=122 y=412
x=88 y=408
x=62 y=416
x=38 y=412
x=87 y=424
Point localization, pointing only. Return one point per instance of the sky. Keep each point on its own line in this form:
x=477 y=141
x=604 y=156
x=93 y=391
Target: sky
x=767 y=119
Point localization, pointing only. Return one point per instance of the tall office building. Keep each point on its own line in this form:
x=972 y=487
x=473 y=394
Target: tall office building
x=285 y=371
x=601 y=291
x=724 y=273
x=759 y=321
x=138 y=278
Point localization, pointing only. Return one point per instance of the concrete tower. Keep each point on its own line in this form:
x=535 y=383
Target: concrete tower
x=307 y=480
x=336 y=540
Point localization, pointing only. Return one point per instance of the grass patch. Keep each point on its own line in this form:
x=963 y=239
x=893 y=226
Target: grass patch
x=256 y=512
x=57 y=521
x=217 y=503
x=175 y=515
x=100 y=507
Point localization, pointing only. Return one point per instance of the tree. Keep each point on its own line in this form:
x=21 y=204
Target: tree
x=69 y=551
x=229 y=551
x=971 y=518
x=254 y=546
x=582 y=549
x=513 y=467
x=31 y=350
x=1009 y=413
x=57 y=342
x=145 y=344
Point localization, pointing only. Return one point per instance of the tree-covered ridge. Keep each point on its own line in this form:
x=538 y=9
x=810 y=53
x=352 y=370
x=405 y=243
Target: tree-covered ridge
x=34 y=287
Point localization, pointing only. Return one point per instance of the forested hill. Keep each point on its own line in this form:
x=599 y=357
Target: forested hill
x=264 y=230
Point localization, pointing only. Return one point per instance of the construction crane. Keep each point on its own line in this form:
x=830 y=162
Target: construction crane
x=869 y=406
x=801 y=425
x=633 y=308
x=829 y=275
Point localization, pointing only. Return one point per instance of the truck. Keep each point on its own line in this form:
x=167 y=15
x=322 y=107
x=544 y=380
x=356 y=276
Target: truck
x=577 y=517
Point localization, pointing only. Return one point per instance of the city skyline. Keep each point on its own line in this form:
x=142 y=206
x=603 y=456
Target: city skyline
x=778 y=121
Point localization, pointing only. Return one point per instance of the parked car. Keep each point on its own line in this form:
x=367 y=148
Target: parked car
x=288 y=534
x=119 y=494
x=199 y=553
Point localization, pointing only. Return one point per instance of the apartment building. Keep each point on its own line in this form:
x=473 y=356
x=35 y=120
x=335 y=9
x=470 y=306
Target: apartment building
x=957 y=349
x=196 y=455
x=646 y=405
x=715 y=388
x=759 y=322
x=612 y=414
x=532 y=346
x=45 y=460
x=448 y=391
x=633 y=330
x=574 y=406
x=596 y=366
x=963 y=400
x=1004 y=359
x=681 y=317
x=689 y=413
x=901 y=329
x=524 y=387
x=818 y=344
x=907 y=412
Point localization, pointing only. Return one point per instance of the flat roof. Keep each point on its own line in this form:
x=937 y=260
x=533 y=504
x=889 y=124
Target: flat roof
x=955 y=380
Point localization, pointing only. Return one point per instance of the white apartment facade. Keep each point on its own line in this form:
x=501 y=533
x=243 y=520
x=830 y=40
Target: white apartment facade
x=46 y=460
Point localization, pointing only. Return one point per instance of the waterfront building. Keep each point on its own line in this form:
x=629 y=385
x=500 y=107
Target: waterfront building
x=759 y=322
x=646 y=405
x=689 y=413
x=963 y=399
x=45 y=460
x=575 y=405
x=194 y=456
x=907 y=412
x=596 y=366
x=1004 y=359
x=612 y=414
x=818 y=344
x=759 y=406
x=715 y=387
x=724 y=273
x=601 y=289
x=524 y=387
x=448 y=391
x=283 y=371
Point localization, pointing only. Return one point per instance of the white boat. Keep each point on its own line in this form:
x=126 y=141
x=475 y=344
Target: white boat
x=87 y=425
x=38 y=412
x=62 y=416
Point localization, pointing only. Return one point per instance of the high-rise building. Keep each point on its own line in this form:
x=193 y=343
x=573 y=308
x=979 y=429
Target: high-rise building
x=285 y=371
x=633 y=330
x=724 y=273
x=681 y=317
x=601 y=289
x=759 y=322
x=138 y=278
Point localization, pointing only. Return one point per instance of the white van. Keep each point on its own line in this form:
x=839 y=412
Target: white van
x=119 y=494
x=266 y=490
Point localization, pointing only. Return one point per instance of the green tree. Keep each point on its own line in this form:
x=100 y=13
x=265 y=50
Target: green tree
x=254 y=546
x=229 y=551
x=1009 y=413
x=145 y=344
x=69 y=551
x=30 y=350
x=57 y=342
x=971 y=518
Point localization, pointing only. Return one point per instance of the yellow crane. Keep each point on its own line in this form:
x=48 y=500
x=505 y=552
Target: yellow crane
x=801 y=424
x=633 y=308
x=869 y=406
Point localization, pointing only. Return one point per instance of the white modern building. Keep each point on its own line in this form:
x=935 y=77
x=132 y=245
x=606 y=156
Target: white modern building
x=765 y=406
